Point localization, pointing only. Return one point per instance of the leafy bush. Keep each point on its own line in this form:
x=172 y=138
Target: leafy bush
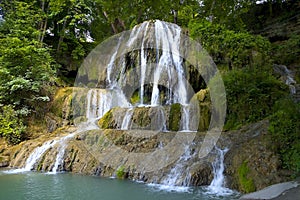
x=285 y=130
x=251 y=95
x=237 y=49
x=26 y=66
x=287 y=52
x=11 y=127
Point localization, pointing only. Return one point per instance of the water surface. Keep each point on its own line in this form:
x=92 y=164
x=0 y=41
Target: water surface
x=33 y=185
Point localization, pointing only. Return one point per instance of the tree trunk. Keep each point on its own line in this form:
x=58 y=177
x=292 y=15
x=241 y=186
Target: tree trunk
x=175 y=13
x=122 y=24
x=111 y=23
x=62 y=35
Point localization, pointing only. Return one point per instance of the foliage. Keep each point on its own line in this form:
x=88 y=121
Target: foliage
x=287 y=52
x=174 y=117
x=245 y=182
x=11 y=127
x=285 y=130
x=251 y=95
x=26 y=67
x=121 y=172
x=236 y=49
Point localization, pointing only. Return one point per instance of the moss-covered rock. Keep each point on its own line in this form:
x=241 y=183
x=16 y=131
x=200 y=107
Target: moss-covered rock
x=106 y=121
x=175 y=117
x=60 y=100
x=252 y=163
x=204 y=102
x=140 y=118
x=245 y=181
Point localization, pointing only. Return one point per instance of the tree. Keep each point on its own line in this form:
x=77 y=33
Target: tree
x=26 y=67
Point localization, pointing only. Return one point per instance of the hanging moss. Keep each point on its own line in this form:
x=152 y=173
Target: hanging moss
x=246 y=183
x=174 y=117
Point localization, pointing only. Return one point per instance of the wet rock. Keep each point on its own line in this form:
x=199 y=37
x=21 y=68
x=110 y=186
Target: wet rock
x=251 y=163
x=52 y=122
x=201 y=173
x=4 y=161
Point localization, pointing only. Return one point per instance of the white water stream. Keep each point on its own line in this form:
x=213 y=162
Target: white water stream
x=217 y=186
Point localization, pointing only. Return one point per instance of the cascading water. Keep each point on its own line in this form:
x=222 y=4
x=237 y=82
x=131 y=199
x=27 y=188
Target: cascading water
x=165 y=68
x=169 y=71
x=127 y=119
x=35 y=156
x=98 y=102
x=217 y=185
x=185 y=118
x=178 y=174
x=288 y=77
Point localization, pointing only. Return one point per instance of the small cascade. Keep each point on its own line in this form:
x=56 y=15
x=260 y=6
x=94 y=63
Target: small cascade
x=127 y=119
x=162 y=120
x=185 y=119
x=217 y=185
x=179 y=175
x=98 y=103
x=288 y=77
x=37 y=154
x=61 y=151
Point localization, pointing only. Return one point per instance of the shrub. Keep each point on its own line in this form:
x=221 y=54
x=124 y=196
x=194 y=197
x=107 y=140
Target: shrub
x=251 y=95
x=285 y=130
x=11 y=127
x=287 y=52
x=236 y=49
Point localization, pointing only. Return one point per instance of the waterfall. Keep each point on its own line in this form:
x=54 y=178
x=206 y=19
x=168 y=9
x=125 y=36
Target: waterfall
x=37 y=154
x=163 y=41
x=127 y=119
x=179 y=174
x=98 y=103
x=185 y=118
x=217 y=185
x=288 y=77
x=143 y=67
x=161 y=38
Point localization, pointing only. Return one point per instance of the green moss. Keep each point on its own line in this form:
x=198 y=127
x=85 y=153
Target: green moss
x=105 y=121
x=246 y=183
x=59 y=99
x=120 y=173
x=141 y=117
x=205 y=115
x=174 y=117
x=135 y=98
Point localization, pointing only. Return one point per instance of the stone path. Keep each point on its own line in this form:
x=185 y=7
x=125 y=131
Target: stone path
x=281 y=191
